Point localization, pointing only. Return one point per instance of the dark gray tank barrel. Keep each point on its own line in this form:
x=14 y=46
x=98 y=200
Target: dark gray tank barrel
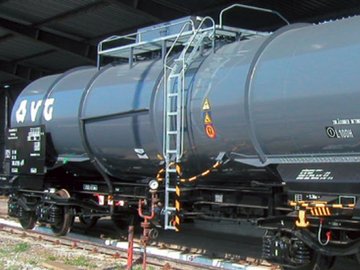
x=290 y=97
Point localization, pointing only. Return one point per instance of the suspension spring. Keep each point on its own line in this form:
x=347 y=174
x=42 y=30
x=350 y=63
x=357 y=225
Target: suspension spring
x=302 y=253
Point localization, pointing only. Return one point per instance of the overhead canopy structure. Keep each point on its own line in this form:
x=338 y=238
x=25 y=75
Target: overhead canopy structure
x=50 y=36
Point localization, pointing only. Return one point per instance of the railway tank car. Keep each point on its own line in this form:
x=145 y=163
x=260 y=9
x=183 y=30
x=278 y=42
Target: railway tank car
x=262 y=126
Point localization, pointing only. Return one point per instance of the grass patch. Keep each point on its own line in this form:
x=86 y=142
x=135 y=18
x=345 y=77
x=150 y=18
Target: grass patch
x=18 y=248
x=139 y=267
x=33 y=262
x=51 y=258
x=81 y=261
x=5 y=251
x=12 y=267
x=21 y=247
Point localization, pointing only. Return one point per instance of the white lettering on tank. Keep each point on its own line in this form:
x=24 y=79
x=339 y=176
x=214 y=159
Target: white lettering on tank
x=21 y=112
x=34 y=108
x=48 y=109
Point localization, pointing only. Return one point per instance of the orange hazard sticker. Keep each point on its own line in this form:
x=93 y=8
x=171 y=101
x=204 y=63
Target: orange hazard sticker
x=210 y=131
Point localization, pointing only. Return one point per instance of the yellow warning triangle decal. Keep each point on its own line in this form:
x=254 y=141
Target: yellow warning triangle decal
x=207 y=119
x=206 y=105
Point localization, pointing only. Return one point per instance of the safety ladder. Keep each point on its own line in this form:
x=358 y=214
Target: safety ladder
x=174 y=113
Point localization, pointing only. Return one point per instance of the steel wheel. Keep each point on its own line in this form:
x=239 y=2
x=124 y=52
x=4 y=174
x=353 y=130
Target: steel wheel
x=63 y=227
x=27 y=220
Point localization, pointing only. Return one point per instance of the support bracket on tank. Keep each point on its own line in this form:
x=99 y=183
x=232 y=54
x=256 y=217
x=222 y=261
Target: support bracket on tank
x=223 y=158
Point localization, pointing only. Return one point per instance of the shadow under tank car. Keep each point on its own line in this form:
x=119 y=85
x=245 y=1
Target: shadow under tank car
x=262 y=126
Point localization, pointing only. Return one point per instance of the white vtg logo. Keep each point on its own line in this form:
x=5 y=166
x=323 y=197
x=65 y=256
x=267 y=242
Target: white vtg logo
x=34 y=109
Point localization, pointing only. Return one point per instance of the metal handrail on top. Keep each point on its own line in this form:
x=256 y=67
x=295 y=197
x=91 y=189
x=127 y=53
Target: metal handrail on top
x=252 y=8
x=138 y=40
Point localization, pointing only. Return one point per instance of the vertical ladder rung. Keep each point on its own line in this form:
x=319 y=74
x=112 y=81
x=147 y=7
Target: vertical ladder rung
x=175 y=76
x=169 y=227
x=174 y=118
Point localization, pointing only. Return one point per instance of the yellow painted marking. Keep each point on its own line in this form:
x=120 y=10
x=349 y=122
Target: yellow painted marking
x=177 y=220
x=177 y=205
x=292 y=203
x=217 y=164
x=178 y=169
x=177 y=191
x=300 y=202
x=205 y=173
x=158 y=176
x=206 y=105
x=207 y=119
x=192 y=178
x=302 y=222
x=321 y=202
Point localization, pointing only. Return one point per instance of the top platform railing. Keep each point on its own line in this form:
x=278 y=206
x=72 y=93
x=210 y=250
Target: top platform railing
x=162 y=36
x=139 y=42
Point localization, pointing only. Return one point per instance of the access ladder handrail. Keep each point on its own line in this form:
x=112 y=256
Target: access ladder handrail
x=167 y=114
x=200 y=30
x=174 y=96
x=166 y=67
x=184 y=64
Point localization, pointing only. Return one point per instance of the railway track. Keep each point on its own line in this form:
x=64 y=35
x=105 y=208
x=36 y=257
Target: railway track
x=112 y=248
x=158 y=262
x=159 y=255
